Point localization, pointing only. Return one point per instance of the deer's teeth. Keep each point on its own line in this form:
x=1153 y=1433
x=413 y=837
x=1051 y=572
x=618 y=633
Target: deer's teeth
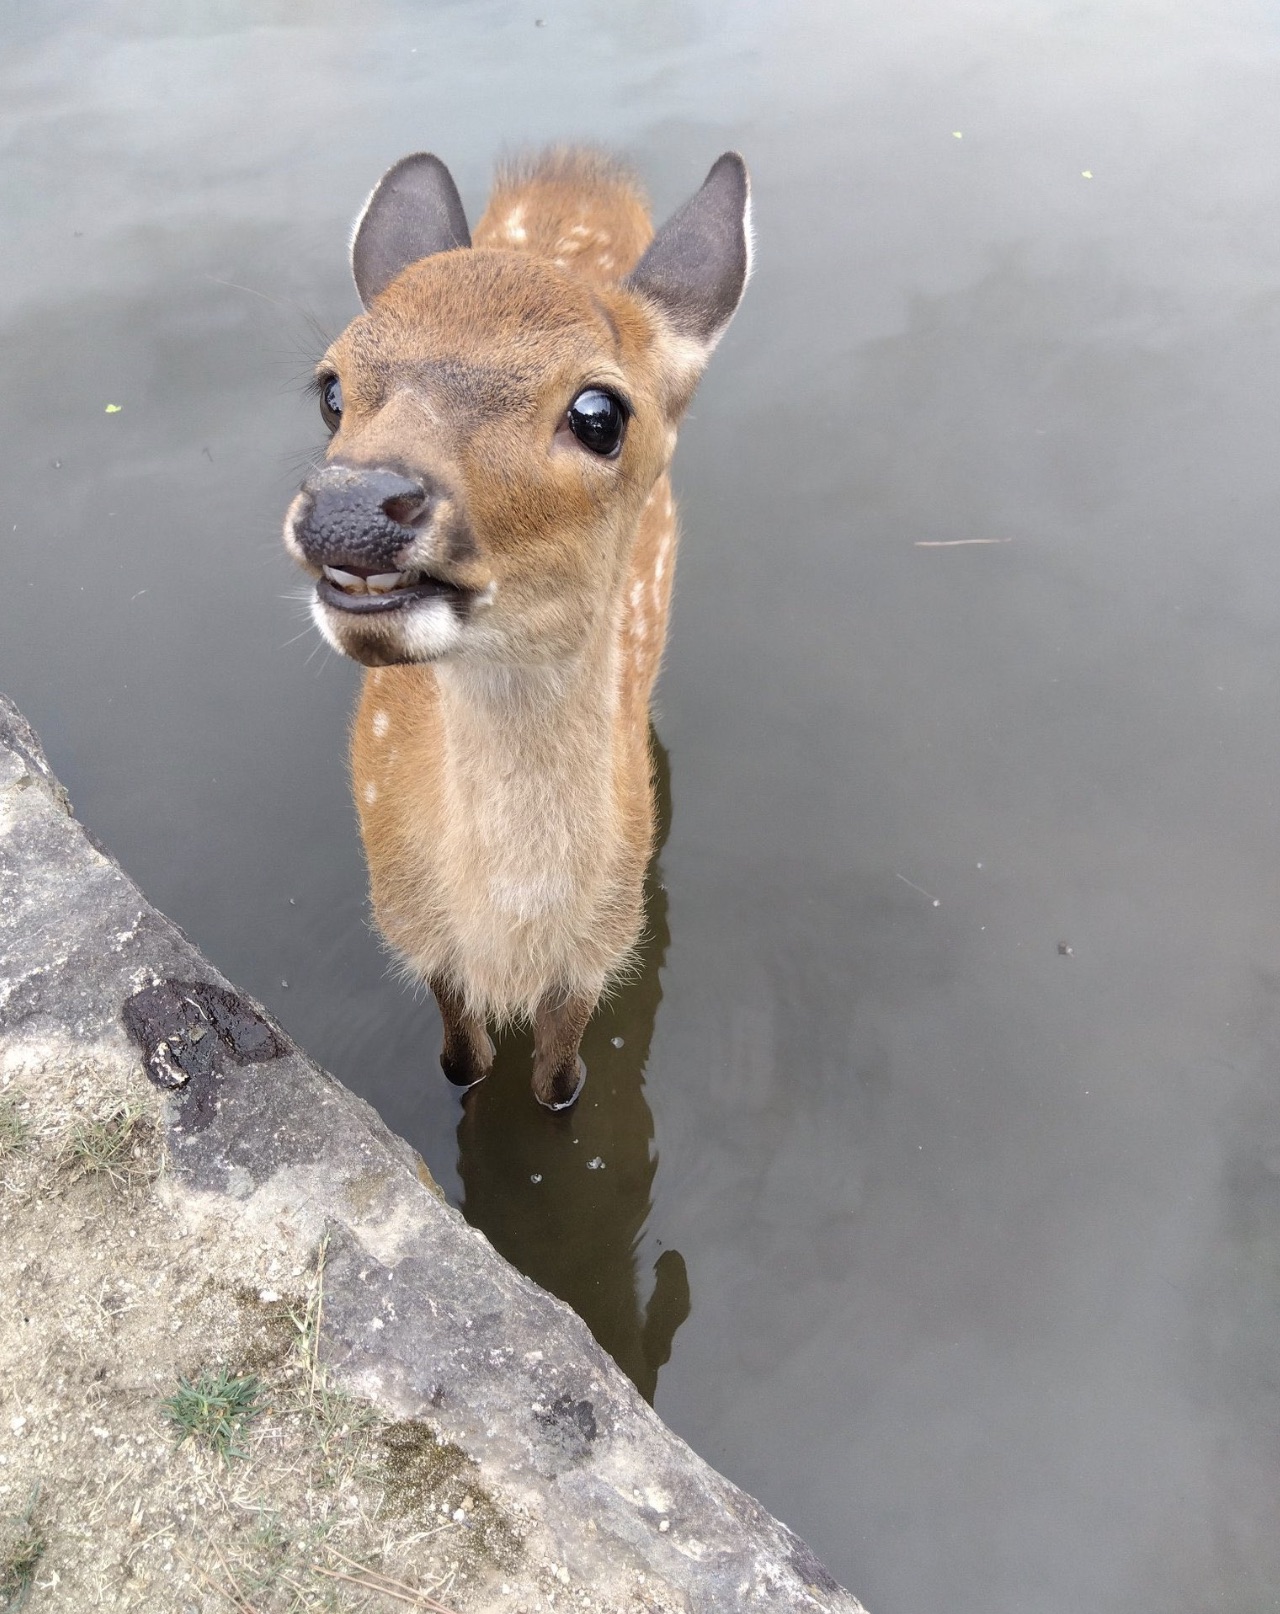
x=384 y=582
x=345 y=580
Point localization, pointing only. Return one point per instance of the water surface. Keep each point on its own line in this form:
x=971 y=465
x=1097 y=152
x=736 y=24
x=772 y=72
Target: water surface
x=938 y=1190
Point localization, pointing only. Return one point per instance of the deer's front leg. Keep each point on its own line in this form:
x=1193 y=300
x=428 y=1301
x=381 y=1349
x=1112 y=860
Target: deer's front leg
x=467 y=1055
x=558 y=1072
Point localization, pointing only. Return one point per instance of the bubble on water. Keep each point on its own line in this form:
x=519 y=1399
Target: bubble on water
x=616 y=1041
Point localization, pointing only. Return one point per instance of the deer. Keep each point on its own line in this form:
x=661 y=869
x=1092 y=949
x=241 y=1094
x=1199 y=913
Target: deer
x=491 y=534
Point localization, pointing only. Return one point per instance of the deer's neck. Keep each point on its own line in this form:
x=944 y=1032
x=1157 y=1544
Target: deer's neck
x=531 y=771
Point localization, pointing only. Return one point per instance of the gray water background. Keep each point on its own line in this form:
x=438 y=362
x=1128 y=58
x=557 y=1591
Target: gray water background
x=942 y=1150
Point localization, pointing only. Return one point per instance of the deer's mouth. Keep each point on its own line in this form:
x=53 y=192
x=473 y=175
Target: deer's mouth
x=361 y=590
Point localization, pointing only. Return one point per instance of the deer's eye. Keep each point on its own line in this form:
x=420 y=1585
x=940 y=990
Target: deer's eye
x=598 y=420
x=330 y=392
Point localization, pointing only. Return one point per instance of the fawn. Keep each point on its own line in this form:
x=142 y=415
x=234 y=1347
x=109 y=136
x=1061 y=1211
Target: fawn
x=492 y=535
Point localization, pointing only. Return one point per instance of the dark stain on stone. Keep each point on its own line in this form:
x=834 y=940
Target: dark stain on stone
x=189 y=1031
x=241 y=1029
x=572 y=1424
x=419 y=1464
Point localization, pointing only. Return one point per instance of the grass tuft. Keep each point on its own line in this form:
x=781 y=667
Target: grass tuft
x=13 y=1127
x=22 y=1545
x=215 y=1410
x=115 y=1148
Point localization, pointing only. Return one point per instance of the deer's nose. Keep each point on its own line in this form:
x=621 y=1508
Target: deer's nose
x=358 y=516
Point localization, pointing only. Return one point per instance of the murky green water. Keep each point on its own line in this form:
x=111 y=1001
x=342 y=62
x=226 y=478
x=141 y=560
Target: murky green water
x=940 y=1182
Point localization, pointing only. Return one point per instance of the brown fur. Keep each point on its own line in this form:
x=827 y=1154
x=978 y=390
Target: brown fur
x=504 y=791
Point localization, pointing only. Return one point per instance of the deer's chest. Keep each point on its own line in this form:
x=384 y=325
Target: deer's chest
x=501 y=862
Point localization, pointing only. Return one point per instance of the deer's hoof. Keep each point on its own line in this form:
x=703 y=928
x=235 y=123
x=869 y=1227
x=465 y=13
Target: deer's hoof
x=462 y=1074
x=561 y=1093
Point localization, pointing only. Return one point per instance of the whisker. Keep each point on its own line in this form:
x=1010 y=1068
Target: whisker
x=253 y=292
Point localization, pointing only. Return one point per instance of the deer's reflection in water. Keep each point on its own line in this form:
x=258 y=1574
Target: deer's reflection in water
x=565 y=1198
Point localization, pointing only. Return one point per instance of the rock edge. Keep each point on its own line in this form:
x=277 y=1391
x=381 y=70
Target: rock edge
x=422 y=1317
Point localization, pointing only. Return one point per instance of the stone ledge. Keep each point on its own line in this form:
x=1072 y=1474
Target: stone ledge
x=421 y=1316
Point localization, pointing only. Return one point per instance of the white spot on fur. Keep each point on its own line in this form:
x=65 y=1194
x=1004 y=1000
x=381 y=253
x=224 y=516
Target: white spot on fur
x=370 y=794
x=606 y=260
x=637 y=593
x=515 y=230
x=381 y=723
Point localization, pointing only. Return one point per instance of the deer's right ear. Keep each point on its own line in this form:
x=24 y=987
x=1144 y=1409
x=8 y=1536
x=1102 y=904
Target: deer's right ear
x=697 y=265
x=415 y=210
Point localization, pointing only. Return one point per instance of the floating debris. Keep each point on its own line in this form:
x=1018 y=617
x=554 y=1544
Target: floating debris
x=113 y=409
x=616 y=1041
x=595 y=1165
x=936 y=901
x=536 y=1178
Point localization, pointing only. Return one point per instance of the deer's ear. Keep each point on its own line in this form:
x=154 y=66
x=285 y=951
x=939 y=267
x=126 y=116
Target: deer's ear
x=697 y=265
x=415 y=210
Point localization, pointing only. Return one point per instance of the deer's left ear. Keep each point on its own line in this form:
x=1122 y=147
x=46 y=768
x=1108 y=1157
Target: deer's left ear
x=697 y=265
x=414 y=211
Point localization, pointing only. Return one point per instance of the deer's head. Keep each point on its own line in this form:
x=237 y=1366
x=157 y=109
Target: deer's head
x=498 y=423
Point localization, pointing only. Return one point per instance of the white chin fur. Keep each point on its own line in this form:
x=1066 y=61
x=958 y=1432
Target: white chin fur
x=321 y=619
x=424 y=632
x=431 y=630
